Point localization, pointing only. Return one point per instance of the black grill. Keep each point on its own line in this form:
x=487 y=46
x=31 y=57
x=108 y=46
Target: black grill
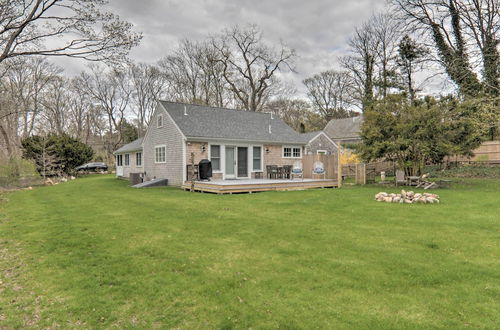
x=205 y=168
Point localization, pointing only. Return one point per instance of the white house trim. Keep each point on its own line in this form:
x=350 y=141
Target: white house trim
x=160 y=146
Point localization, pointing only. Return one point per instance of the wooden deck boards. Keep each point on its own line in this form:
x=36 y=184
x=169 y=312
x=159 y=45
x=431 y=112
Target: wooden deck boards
x=249 y=186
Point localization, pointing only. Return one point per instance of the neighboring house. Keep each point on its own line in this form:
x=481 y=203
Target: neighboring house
x=344 y=131
x=319 y=143
x=239 y=143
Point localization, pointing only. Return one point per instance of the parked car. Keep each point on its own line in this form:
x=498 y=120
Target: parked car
x=93 y=167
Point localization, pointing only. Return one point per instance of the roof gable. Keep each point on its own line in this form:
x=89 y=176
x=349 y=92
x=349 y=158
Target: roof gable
x=346 y=128
x=196 y=121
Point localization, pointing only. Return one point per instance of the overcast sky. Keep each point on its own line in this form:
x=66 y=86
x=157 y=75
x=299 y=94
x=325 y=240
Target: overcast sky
x=318 y=30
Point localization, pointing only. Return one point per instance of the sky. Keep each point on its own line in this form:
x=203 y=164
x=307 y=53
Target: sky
x=317 y=29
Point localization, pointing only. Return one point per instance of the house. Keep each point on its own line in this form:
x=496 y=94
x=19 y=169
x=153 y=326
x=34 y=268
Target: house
x=344 y=131
x=239 y=143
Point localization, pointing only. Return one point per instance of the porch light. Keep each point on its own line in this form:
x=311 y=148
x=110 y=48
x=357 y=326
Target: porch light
x=267 y=150
x=203 y=148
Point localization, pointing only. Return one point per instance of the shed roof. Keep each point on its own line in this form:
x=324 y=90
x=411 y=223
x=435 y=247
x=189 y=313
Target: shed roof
x=135 y=145
x=196 y=121
x=346 y=128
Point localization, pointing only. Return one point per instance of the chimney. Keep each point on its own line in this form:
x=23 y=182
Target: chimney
x=185 y=111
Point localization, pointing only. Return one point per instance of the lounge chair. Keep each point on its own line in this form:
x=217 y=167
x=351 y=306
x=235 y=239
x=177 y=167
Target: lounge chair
x=318 y=169
x=297 y=170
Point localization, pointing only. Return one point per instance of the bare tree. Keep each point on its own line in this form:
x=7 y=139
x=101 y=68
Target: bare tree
x=56 y=106
x=330 y=93
x=454 y=27
x=149 y=85
x=249 y=65
x=195 y=75
x=110 y=92
x=387 y=33
x=296 y=113
x=73 y=28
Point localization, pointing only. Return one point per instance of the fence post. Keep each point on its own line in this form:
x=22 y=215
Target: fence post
x=339 y=167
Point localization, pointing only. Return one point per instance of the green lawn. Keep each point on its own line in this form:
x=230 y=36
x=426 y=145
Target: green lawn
x=95 y=253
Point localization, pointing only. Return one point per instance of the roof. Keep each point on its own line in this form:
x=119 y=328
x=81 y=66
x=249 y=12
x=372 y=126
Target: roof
x=309 y=135
x=132 y=146
x=346 y=128
x=228 y=124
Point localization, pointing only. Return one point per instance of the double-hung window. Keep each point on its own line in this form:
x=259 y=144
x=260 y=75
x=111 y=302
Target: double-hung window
x=138 y=159
x=127 y=159
x=292 y=152
x=257 y=159
x=160 y=154
x=215 y=156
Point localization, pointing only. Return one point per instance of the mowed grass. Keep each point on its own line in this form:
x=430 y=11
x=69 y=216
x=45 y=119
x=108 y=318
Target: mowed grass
x=94 y=253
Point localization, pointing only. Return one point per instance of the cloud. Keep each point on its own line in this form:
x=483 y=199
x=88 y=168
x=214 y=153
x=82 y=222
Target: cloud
x=318 y=30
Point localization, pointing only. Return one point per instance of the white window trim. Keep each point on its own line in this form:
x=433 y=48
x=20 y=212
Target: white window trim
x=139 y=152
x=124 y=162
x=157 y=117
x=161 y=146
x=324 y=151
x=292 y=147
x=220 y=170
x=261 y=159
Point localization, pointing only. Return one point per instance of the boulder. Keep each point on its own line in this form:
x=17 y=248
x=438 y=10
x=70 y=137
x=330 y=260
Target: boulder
x=72 y=178
x=49 y=182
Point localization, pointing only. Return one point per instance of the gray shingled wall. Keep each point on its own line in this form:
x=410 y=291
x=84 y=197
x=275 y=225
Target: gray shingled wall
x=170 y=136
x=321 y=143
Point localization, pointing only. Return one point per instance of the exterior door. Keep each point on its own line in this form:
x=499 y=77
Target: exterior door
x=242 y=162
x=230 y=163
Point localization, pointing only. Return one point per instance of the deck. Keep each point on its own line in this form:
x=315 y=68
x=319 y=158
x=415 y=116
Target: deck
x=257 y=185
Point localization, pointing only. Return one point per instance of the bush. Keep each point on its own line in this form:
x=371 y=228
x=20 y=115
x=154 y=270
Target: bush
x=56 y=154
x=18 y=172
x=466 y=171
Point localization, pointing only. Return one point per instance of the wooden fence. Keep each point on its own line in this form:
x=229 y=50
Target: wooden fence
x=488 y=151
x=329 y=163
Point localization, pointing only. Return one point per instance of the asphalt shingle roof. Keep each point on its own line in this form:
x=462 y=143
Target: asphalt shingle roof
x=347 y=128
x=132 y=146
x=309 y=135
x=220 y=123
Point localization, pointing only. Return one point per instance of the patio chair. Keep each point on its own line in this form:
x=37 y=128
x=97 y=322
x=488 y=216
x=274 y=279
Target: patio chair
x=400 y=178
x=287 y=172
x=318 y=169
x=272 y=171
x=297 y=170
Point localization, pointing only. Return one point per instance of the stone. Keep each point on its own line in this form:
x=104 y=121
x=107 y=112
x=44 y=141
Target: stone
x=64 y=180
x=49 y=182
x=72 y=178
x=388 y=199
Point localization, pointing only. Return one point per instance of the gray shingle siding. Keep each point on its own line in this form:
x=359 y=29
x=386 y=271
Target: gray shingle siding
x=321 y=143
x=173 y=140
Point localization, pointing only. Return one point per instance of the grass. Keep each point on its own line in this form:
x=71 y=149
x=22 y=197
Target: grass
x=94 y=253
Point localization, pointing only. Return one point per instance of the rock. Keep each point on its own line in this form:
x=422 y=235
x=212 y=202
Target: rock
x=29 y=188
x=396 y=199
x=64 y=180
x=408 y=201
x=388 y=199
x=49 y=182
x=72 y=178
x=417 y=195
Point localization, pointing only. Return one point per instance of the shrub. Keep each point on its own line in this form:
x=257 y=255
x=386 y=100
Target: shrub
x=18 y=172
x=56 y=154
